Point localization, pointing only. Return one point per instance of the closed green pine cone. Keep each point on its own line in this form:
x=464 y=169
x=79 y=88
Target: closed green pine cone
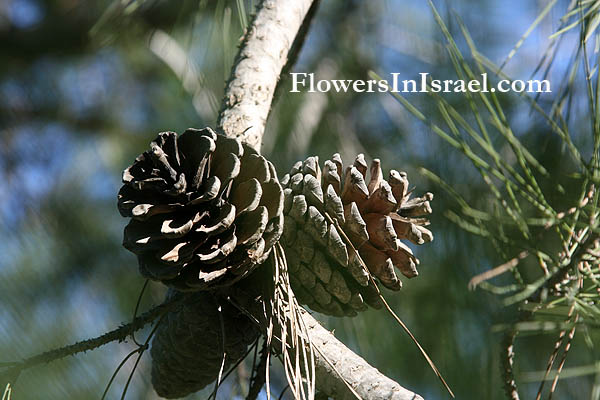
x=187 y=349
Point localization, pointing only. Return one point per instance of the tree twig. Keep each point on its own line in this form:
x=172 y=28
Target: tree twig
x=118 y=334
x=507 y=359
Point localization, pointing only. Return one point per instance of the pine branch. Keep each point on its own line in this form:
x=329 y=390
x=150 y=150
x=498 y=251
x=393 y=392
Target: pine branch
x=246 y=104
x=507 y=359
x=257 y=66
x=119 y=334
x=337 y=367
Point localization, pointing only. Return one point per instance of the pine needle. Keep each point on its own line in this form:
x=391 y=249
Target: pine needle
x=388 y=308
x=137 y=307
x=557 y=346
x=140 y=354
x=499 y=270
x=562 y=361
x=299 y=365
x=421 y=349
x=535 y=23
x=224 y=357
x=7 y=392
x=114 y=375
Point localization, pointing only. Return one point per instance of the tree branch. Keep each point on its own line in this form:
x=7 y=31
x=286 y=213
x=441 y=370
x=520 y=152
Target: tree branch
x=119 y=334
x=243 y=115
x=256 y=69
x=335 y=363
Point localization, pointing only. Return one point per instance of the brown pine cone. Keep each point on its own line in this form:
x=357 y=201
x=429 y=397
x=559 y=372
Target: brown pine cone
x=187 y=349
x=323 y=206
x=205 y=209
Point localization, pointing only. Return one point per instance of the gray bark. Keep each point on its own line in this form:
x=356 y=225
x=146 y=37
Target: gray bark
x=256 y=70
x=243 y=115
x=335 y=363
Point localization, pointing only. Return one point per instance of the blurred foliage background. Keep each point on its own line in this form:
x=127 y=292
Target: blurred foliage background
x=85 y=86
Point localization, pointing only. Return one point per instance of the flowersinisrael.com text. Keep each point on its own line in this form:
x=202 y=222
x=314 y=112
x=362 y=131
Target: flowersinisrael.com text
x=302 y=81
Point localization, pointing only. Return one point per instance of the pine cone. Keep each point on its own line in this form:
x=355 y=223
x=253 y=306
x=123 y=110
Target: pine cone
x=205 y=209
x=187 y=349
x=321 y=208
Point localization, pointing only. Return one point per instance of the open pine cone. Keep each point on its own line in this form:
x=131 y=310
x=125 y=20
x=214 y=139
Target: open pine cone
x=205 y=209
x=326 y=208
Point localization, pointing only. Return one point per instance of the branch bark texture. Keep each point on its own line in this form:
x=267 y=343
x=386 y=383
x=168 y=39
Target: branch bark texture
x=335 y=363
x=243 y=115
x=256 y=70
